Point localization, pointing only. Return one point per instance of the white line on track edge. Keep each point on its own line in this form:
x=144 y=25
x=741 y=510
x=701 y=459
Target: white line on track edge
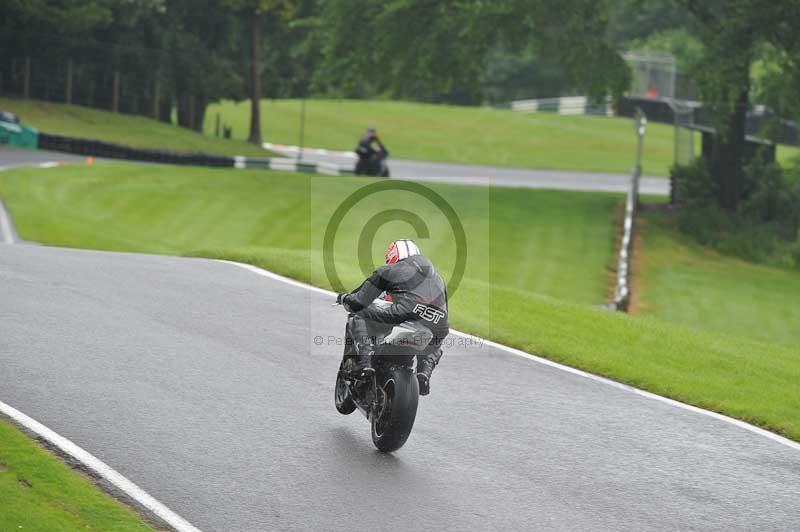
x=6 y=234
x=511 y=350
x=99 y=467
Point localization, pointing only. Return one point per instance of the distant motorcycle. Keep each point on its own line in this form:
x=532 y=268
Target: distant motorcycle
x=387 y=397
x=375 y=166
x=372 y=155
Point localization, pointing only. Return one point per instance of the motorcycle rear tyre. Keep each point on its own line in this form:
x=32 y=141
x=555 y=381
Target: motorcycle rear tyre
x=392 y=426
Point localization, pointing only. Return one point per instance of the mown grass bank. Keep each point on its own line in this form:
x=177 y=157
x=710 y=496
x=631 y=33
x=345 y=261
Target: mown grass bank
x=473 y=135
x=679 y=280
x=548 y=242
x=530 y=253
x=39 y=493
x=128 y=130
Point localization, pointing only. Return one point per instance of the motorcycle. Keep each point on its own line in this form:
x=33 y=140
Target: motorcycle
x=374 y=166
x=387 y=396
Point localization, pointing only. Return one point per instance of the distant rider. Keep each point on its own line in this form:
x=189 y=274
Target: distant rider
x=372 y=155
x=417 y=293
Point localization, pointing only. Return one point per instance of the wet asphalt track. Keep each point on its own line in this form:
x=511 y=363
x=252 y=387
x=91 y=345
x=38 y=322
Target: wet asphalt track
x=470 y=174
x=430 y=172
x=201 y=382
x=16 y=157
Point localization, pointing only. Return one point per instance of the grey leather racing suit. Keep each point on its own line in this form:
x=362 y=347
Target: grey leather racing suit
x=418 y=294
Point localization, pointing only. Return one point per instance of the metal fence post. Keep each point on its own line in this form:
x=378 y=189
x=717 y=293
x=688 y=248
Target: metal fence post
x=302 y=129
x=641 y=125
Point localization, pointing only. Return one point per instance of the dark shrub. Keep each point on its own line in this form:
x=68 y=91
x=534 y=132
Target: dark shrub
x=765 y=228
x=693 y=183
x=771 y=199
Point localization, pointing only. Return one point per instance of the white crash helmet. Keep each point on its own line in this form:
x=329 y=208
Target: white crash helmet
x=399 y=250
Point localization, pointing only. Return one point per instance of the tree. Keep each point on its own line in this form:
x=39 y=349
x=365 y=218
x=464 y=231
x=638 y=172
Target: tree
x=436 y=51
x=733 y=32
x=200 y=55
x=255 y=11
x=61 y=17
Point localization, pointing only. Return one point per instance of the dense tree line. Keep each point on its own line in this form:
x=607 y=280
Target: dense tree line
x=187 y=53
x=151 y=56
x=183 y=54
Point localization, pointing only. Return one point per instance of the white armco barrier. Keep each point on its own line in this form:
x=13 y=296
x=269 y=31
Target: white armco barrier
x=291 y=165
x=329 y=169
x=281 y=148
x=566 y=105
x=525 y=106
x=574 y=105
x=283 y=164
x=622 y=291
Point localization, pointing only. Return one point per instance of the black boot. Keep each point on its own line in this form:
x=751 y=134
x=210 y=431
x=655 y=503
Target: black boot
x=425 y=367
x=362 y=362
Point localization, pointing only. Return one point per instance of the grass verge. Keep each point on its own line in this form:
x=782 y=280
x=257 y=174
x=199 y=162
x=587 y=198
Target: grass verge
x=522 y=267
x=41 y=493
x=473 y=135
x=128 y=130
x=273 y=215
x=679 y=280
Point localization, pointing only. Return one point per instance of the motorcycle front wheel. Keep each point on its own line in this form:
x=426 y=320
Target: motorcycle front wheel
x=342 y=399
x=394 y=418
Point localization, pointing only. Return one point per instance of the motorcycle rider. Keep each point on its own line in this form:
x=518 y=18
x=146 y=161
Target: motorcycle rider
x=417 y=294
x=372 y=155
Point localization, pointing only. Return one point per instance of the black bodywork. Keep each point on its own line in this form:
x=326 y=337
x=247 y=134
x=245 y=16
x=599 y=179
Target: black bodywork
x=387 y=397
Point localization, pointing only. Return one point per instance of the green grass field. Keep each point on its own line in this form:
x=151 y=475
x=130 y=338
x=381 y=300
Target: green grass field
x=471 y=135
x=136 y=131
x=681 y=281
x=39 y=493
x=444 y=133
x=537 y=263
x=273 y=215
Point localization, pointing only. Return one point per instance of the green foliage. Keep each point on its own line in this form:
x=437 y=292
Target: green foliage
x=694 y=186
x=368 y=50
x=766 y=226
x=733 y=35
x=254 y=7
x=454 y=51
x=776 y=76
x=679 y=42
x=772 y=199
x=592 y=61
x=183 y=46
x=637 y=20
x=372 y=47
x=64 y=16
x=516 y=75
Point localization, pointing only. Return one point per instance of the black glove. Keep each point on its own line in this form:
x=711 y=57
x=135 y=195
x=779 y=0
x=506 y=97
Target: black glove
x=340 y=298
